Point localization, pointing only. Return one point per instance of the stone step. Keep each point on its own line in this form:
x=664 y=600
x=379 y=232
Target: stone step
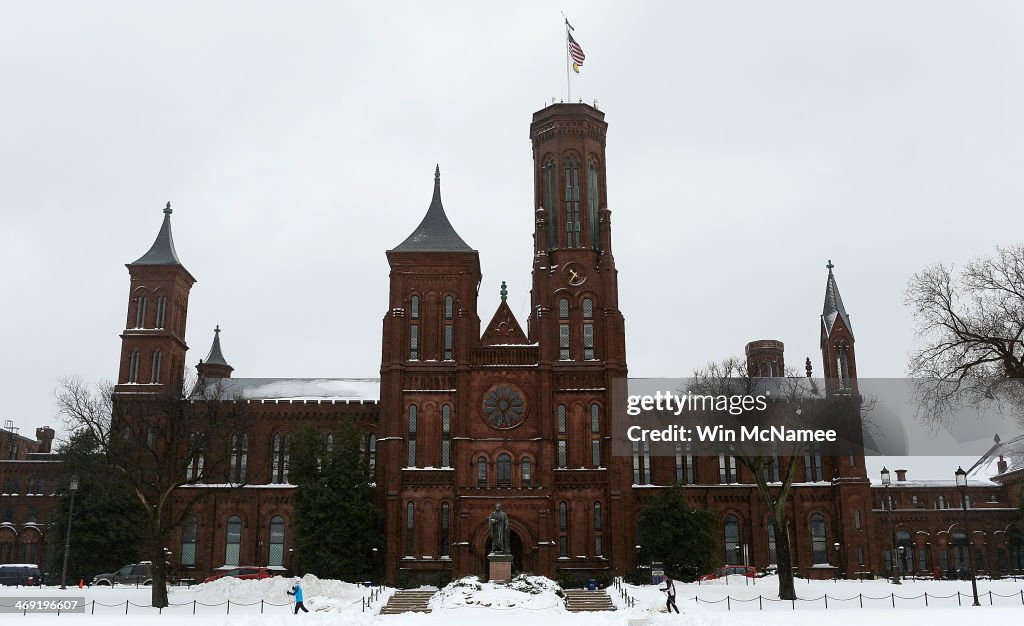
x=579 y=601
x=407 y=602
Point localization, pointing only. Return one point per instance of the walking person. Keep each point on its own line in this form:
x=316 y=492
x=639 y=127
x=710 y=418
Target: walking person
x=296 y=591
x=670 y=591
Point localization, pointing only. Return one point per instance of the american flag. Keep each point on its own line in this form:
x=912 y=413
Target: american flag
x=576 y=52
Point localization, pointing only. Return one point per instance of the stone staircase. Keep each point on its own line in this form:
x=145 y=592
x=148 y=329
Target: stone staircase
x=580 y=600
x=407 y=601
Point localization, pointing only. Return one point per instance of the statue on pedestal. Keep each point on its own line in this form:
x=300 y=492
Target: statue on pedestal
x=498 y=522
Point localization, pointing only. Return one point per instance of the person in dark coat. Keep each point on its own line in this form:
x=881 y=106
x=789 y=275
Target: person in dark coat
x=296 y=591
x=670 y=591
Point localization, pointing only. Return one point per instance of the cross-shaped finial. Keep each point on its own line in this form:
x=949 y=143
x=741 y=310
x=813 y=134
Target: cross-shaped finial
x=167 y=209
x=217 y=329
x=829 y=266
x=504 y=291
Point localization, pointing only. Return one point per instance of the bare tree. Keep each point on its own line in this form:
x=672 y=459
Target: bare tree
x=163 y=445
x=805 y=405
x=970 y=331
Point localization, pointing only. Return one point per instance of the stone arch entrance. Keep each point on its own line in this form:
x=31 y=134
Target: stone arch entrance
x=516 y=548
x=522 y=544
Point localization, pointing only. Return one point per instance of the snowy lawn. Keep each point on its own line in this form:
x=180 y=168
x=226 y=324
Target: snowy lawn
x=721 y=603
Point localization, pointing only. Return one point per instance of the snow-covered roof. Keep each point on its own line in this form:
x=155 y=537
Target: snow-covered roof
x=971 y=482
x=348 y=389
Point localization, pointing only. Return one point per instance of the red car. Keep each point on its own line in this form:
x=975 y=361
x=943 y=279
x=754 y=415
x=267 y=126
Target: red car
x=731 y=570
x=247 y=573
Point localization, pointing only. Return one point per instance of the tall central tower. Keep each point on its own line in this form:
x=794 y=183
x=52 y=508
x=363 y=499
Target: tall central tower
x=579 y=331
x=575 y=315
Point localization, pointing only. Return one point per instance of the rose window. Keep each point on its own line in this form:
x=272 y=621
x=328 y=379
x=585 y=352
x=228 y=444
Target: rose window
x=504 y=406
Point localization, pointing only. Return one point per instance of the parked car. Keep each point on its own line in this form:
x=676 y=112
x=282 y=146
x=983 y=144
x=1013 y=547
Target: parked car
x=134 y=574
x=17 y=574
x=249 y=573
x=731 y=570
x=768 y=570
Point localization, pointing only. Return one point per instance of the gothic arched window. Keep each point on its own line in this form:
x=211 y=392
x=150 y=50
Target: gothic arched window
x=504 y=470
x=239 y=462
x=481 y=471
x=594 y=203
x=548 y=185
x=189 y=532
x=411 y=441
x=563 y=444
x=140 y=311
x=233 y=542
x=276 y=555
x=572 y=202
x=819 y=540
x=563 y=530
x=444 y=535
x=161 y=311
x=414 y=329
x=446 y=435
x=732 y=539
x=279 y=458
x=410 y=525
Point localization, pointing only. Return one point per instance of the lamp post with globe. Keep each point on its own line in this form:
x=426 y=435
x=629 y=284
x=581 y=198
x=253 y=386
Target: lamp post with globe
x=961 y=485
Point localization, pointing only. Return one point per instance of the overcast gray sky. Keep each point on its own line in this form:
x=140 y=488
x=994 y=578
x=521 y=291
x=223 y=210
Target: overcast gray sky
x=749 y=142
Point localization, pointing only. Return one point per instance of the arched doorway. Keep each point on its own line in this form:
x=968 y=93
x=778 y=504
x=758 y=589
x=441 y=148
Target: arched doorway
x=516 y=545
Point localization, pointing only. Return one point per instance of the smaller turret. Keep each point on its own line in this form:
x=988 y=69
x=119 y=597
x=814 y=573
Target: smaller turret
x=214 y=365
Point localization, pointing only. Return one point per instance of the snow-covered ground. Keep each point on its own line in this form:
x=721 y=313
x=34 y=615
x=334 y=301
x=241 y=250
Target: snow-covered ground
x=732 y=602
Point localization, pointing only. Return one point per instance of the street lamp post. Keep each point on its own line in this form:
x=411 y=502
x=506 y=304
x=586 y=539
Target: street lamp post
x=73 y=486
x=374 y=565
x=961 y=484
x=887 y=483
x=839 y=560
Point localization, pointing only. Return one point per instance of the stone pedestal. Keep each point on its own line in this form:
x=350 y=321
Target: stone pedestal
x=500 y=567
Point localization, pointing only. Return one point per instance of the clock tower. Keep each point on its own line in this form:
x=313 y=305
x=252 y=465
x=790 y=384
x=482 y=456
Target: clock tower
x=579 y=330
x=574 y=315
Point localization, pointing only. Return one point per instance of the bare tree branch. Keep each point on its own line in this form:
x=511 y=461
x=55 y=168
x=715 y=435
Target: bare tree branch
x=969 y=329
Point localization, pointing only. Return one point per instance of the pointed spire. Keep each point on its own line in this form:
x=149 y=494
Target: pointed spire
x=833 y=307
x=435 y=232
x=215 y=357
x=504 y=291
x=162 y=251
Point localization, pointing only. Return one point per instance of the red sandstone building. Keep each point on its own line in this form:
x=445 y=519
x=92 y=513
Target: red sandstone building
x=466 y=415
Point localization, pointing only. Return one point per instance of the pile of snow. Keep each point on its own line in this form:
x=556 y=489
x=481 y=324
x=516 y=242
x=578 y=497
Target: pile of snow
x=318 y=595
x=522 y=592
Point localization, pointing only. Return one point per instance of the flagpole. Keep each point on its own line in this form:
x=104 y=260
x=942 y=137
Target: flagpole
x=568 y=76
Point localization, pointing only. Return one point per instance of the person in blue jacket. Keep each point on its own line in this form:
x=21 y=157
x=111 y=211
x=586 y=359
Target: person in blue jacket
x=297 y=592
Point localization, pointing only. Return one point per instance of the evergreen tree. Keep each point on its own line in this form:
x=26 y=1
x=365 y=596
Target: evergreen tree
x=338 y=522
x=683 y=538
x=107 y=522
